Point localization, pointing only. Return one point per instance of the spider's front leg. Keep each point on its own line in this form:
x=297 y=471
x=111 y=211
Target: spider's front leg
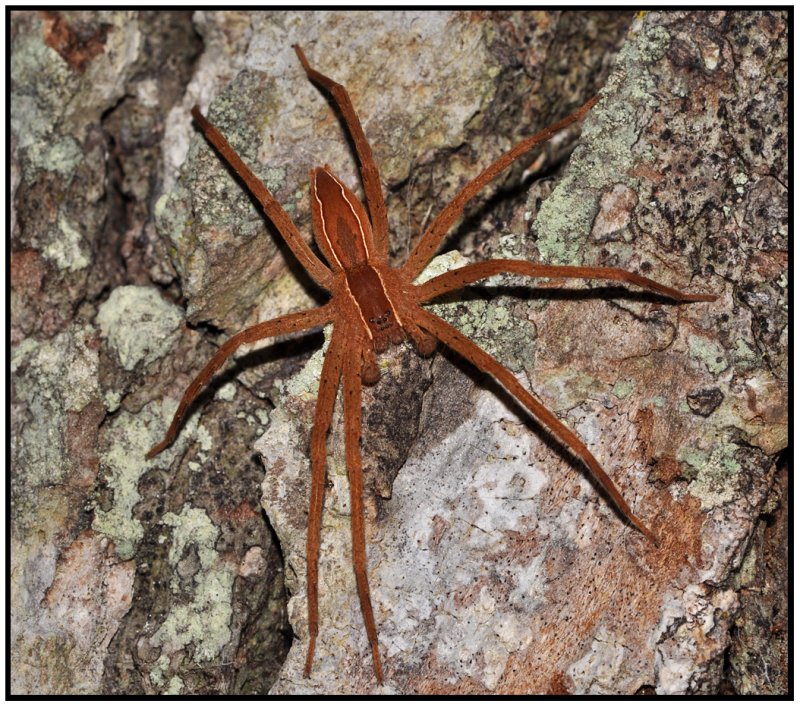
x=459 y=343
x=318 y=271
x=430 y=241
x=370 y=177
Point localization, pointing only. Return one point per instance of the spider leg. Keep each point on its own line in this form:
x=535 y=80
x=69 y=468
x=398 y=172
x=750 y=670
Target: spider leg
x=326 y=398
x=432 y=238
x=456 y=279
x=352 y=431
x=299 y=321
x=318 y=271
x=370 y=177
x=459 y=343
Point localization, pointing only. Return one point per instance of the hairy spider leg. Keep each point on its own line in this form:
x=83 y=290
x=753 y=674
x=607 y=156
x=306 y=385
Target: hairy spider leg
x=342 y=361
x=427 y=246
x=355 y=475
x=463 y=276
x=370 y=176
x=326 y=398
x=318 y=271
x=455 y=340
x=288 y=324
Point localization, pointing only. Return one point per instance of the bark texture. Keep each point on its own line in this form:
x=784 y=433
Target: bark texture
x=495 y=566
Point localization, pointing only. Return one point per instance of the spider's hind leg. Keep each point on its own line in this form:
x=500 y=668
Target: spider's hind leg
x=455 y=340
x=326 y=399
x=355 y=474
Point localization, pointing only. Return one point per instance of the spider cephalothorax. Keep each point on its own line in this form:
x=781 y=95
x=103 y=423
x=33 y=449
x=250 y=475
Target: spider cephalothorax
x=373 y=306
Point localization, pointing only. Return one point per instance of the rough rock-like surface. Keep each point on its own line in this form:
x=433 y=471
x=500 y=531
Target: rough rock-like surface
x=495 y=566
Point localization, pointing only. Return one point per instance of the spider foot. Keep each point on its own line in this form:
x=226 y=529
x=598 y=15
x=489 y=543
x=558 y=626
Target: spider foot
x=160 y=447
x=644 y=530
x=312 y=644
x=693 y=297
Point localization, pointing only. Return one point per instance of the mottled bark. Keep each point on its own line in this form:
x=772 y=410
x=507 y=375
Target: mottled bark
x=127 y=577
x=495 y=565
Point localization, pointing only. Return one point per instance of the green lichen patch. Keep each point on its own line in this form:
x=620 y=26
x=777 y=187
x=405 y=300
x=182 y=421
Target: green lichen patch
x=656 y=401
x=174 y=687
x=63 y=368
x=158 y=670
x=61 y=156
x=51 y=379
x=607 y=153
x=140 y=326
x=717 y=472
x=40 y=81
x=744 y=357
x=709 y=353
x=569 y=211
x=129 y=438
x=125 y=464
x=66 y=248
x=622 y=389
x=204 y=619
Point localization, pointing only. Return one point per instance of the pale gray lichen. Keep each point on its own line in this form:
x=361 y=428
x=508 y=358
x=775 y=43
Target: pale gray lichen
x=204 y=621
x=709 y=353
x=174 y=687
x=157 y=676
x=157 y=671
x=716 y=472
x=63 y=368
x=35 y=104
x=62 y=156
x=141 y=327
x=622 y=389
x=744 y=357
x=125 y=464
x=130 y=436
x=568 y=211
x=66 y=250
x=52 y=378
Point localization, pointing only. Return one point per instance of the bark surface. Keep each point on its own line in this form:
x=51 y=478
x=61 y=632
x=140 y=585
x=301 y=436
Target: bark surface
x=495 y=566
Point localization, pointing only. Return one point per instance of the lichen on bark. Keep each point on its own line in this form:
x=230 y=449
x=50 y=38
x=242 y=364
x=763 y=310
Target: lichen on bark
x=494 y=563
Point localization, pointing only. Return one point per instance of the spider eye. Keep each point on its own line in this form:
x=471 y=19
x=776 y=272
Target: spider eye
x=381 y=321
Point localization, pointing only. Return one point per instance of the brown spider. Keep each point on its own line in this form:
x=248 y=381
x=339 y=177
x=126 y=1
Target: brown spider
x=373 y=306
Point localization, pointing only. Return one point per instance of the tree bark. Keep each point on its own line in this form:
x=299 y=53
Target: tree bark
x=495 y=565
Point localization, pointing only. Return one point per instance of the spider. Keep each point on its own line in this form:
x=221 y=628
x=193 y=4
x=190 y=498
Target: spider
x=373 y=306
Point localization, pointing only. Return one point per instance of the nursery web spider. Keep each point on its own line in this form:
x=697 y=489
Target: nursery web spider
x=373 y=306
